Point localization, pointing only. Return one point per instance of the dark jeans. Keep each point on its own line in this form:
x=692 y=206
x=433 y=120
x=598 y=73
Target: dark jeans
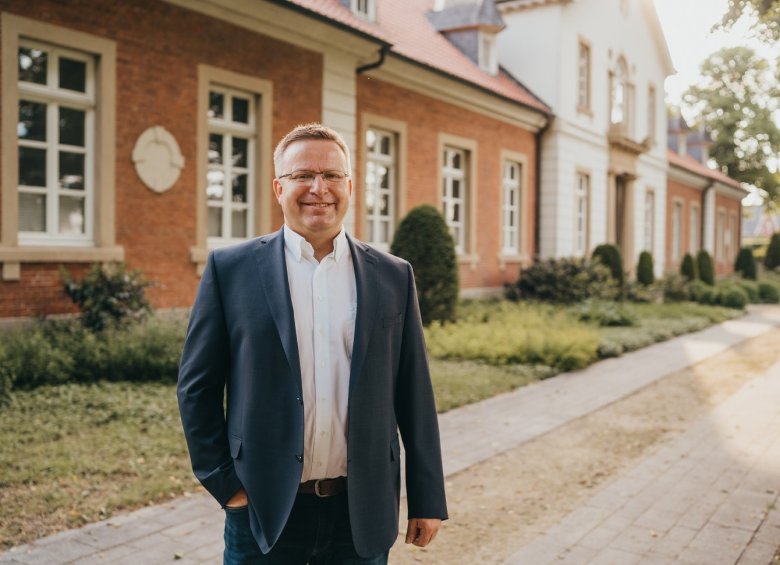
x=317 y=532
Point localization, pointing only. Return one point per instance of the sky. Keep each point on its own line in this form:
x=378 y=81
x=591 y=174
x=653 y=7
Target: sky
x=686 y=25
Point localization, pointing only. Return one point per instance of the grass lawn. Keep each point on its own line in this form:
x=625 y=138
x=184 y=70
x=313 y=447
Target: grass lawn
x=77 y=453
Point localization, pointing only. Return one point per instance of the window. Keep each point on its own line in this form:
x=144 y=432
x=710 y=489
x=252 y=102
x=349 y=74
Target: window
x=381 y=186
x=231 y=170
x=677 y=209
x=58 y=146
x=720 y=230
x=651 y=117
x=581 y=214
x=454 y=192
x=365 y=9
x=511 y=209
x=733 y=236
x=649 y=221
x=583 y=77
x=488 y=56
x=693 y=226
x=621 y=98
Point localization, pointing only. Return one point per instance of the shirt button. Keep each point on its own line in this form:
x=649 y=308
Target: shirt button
x=299 y=457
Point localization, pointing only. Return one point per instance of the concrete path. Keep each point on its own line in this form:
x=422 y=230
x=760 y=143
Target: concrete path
x=189 y=530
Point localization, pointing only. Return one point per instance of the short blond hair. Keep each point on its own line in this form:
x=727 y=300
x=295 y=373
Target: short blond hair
x=311 y=130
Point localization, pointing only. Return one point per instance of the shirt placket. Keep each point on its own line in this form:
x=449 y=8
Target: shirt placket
x=322 y=377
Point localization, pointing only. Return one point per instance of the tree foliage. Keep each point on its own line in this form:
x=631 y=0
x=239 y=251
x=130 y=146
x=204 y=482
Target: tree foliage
x=737 y=95
x=766 y=14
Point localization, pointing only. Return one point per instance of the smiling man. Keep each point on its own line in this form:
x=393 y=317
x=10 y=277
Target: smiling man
x=316 y=340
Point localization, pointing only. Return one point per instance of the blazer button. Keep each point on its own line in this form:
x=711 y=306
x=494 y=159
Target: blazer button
x=300 y=400
x=299 y=457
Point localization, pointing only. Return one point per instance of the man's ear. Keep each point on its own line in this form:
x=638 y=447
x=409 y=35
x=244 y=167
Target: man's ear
x=278 y=189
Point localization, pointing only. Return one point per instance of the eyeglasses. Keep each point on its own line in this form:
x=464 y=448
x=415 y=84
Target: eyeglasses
x=306 y=178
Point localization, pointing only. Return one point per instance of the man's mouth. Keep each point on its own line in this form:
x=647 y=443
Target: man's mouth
x=318 y=204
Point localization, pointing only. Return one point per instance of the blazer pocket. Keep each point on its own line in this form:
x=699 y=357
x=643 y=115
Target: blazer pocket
x=392 y=320
x=235 y=446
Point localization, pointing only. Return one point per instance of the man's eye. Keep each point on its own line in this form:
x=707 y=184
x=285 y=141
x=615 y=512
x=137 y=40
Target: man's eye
x=302 y=177
x=333 y=177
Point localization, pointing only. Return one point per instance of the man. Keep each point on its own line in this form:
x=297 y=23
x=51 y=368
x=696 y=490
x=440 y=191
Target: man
x=316 y=340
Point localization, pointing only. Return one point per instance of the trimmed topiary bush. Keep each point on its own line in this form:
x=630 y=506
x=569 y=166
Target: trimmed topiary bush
x=768 y=292
x=644 y=269
x=688 y=268
x=705 y=266
x=751 y=288
x=772 y=257
x=609 y=255
x=564 y=281
x=745 y=264
x=733 y=296
x=423 y=239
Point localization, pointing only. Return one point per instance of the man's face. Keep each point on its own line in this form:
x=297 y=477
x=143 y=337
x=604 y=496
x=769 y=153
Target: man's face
x=316 y=209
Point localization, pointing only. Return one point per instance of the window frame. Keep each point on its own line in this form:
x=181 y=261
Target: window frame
x=720 y=231
x=208 y=77
x=652 y=115
x=583 y=195
x=694 y=232
x=584 y=46
x=102 y=247
x=487 y=52
x=467 y=252
x=370 y=12
x=649 y=220
x=677 y=230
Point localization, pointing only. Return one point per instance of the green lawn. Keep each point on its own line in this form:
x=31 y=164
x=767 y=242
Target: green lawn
x=76 y=453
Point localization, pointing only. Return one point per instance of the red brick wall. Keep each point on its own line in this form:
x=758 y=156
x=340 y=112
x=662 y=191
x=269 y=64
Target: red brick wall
x=425 y=118
x=689 y=195
x=159 y=47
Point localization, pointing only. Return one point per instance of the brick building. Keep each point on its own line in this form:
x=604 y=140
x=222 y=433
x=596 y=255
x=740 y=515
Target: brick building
x=143 y=131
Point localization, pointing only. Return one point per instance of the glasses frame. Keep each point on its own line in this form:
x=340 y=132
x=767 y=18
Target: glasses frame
x=314 y=175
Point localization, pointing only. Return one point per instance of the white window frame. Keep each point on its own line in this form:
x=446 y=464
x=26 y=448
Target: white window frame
x=487 y=52
x=450 y=175
x=649 y=227
x=733 y=239
x=512 y=207
x=583 y=76
x=581 y=218
x=229 y=130
x=693 y=228
x=720 y=230
x=652 y=103
x=374 y=159
x=54 y=98
x=365 y=9
x=677 y=211
x=100 y=243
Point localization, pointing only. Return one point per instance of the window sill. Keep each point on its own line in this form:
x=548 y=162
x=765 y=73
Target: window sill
x=505 y=259
x=12 y=257
x=471 y=259
x=585 y=111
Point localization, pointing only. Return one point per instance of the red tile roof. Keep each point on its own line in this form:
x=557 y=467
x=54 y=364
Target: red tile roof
x=404 y=25
x=692 y=165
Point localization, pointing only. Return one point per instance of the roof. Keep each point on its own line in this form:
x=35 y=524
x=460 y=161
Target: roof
x=405 y=26
x=693 y=166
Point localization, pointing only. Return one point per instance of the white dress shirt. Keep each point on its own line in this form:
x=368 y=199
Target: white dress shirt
x=324 y=301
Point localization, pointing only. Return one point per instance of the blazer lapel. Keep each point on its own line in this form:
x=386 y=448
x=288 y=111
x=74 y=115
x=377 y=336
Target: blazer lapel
x=270 y=258
x=364 y=262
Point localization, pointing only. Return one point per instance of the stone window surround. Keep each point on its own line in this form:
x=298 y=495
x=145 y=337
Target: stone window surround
x=12 y=255
x=579 y=173
x=522 y=256
x=649 y=226
x=399 y=129
x=263 y=91
x=586 y=109
x=677 y=248
x=469 y=146
x=693 y=227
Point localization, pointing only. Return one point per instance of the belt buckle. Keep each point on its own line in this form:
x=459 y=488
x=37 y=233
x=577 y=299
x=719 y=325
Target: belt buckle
x=317 y=488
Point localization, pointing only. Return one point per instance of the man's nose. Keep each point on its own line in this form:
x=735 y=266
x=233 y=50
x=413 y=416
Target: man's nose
x=318 y=184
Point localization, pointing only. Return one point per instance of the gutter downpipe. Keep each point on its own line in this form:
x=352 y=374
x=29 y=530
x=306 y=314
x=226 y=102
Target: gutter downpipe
x=376 y=64
x=538 y=188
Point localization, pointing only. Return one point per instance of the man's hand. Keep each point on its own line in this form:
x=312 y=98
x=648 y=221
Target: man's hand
x=238 y=500
x=421 y=531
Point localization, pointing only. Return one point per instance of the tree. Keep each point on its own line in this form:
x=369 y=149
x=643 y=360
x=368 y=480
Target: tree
x=644 y=269
x=422 y=238
x=705 y=267
x=766 y=14
x=745 y=264
x=735 y=100
x=772 y=257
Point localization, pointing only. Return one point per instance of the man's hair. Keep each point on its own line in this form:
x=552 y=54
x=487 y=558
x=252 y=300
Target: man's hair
x=312 y=130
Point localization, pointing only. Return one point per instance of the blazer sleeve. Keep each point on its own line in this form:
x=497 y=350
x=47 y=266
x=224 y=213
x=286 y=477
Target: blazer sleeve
x=205 y=364
x=417 y=419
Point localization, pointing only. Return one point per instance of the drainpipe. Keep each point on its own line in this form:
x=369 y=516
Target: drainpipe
x=538 y=203
x=376 y=64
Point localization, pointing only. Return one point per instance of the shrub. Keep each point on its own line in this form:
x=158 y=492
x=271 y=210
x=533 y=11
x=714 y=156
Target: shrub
x=32 y=355
x=688 y=268
x=768 y=292
x=636 y=292
x=564 y=281
x=733 y=296
x=423 y=239
x=605 y=313
x=706 y=269
x=751 y=288
x=772 y=257
x=609 y=255
x=745 y=264
x=109 y=296
x=644 y=269
x=674 y=288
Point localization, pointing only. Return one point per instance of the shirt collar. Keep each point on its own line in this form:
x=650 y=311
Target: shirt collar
x=296 y=244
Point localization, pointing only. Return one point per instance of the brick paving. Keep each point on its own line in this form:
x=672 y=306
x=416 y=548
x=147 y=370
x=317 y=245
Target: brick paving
x=706 y=498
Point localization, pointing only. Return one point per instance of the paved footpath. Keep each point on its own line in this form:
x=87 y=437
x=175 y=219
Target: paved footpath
x=707 y=497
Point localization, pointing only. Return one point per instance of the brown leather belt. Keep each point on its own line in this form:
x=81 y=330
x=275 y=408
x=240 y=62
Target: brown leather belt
x=324 y=487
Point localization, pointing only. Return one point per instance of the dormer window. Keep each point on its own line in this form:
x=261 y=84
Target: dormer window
x=488 y=54
x=365 y=9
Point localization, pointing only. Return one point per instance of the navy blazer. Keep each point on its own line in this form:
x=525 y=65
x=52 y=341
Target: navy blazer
x=241 y=342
